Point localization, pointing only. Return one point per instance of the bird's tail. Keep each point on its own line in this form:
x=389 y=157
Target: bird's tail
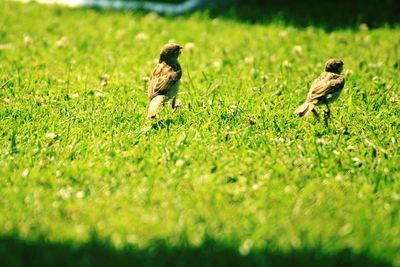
x=154 y=106
x=304 y=109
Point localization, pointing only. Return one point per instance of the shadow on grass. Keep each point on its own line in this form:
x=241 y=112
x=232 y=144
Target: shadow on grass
x=330 y=15
x=162 y=123
x=15 y=252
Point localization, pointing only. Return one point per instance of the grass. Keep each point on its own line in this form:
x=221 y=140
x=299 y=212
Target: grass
x=233 y=178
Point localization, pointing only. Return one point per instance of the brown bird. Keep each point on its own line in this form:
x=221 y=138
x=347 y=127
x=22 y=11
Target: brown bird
x=164 y=82
x=325 y=89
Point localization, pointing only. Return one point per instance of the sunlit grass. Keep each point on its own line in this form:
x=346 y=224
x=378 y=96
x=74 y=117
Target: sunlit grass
x=77 y=155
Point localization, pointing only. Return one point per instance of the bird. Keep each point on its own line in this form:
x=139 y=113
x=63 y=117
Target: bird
x=164 y=82
x=325 y=89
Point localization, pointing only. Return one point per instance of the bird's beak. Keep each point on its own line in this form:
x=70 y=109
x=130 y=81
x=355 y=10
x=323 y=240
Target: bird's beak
x=180 y=49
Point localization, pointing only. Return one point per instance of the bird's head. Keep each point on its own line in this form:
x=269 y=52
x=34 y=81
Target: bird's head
x=170 y=52
x=334 y=65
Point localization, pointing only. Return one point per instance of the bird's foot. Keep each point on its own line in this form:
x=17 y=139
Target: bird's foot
x=178 y=104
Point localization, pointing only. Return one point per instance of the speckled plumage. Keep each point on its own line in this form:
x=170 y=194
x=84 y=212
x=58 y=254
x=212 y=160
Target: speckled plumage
x=325 y=89
x=164 y=82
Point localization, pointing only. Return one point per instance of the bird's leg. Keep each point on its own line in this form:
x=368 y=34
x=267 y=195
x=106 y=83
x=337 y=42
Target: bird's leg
x=173 y=103
x=328 y=111
x=327 y=115
x=315 y=113
x=176 y=103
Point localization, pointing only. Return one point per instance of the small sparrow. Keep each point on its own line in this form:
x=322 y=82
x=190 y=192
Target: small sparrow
x=325 y=89
x=164 y=82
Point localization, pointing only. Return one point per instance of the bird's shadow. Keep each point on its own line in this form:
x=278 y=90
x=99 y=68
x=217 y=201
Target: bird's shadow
x=166 y=123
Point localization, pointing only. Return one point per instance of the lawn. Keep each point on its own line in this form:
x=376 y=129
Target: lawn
x=233 y=178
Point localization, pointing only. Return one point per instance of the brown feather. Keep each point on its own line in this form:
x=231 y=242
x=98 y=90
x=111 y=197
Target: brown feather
x=155 y=105
x=304 y=109
x=164 y=82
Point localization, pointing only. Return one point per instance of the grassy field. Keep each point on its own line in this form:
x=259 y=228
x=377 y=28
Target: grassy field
x=233 y=178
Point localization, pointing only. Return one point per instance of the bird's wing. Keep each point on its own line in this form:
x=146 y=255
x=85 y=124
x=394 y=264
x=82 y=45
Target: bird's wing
x=326 y=84
x=162 y=79
x=337 y=82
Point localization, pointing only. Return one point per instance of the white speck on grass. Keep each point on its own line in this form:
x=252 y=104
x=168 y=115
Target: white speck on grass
x=233 y=108
x=273 y=59
x=295 y=242
x=120 y=34
x=256 y=186
x=62 y=42
x=141 y=36
x=339 y=177
x=377 y=65
x=321 y=141
x=5 y=47
x=178 y=103
x=25 y=173
x=348 y=72
x=179 y=163
x=151 y=17
x=64 y=193
x=50 y=136
x=393 y=97
x=80 y=194
x=217 y=64
x=366 y=39
x=357 y=161
x=286 y=64
x=245 y=247
x=41 y=163
x=249 y=60
x=189 y=47
x=215 y=21
x=346 y=229
x=287 y=189
x=132 y=239
x=363 y=27
x=395 y=197
x=104 y=80
x=298 y=50
x=80 y=229
x=73 y=96
x=117 y=240
x=7 y=100
x=283 y=34
x=28 y=41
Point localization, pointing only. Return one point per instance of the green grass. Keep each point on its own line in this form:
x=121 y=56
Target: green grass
x=232 y=178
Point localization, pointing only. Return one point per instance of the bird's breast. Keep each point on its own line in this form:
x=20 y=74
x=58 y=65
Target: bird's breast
x=173 y=91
